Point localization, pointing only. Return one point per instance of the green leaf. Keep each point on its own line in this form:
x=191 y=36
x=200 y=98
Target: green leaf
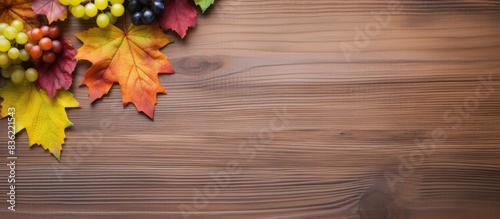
x=204 y=4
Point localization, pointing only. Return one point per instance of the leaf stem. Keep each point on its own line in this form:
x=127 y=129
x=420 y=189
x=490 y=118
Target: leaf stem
x=124 y=23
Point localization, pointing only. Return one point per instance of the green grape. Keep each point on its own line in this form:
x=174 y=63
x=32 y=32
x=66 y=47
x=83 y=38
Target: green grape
x=112 y=19
x=13 y=53
x=85 y=17
x=13 y=67
x=4 y=58
x=64 y=2
x=24 y=55
x=101 y=4
x=4 y=45
x=117 y=10
x=17 y=24
x=21 y=38
x=17 y=76
x=5 y=72
x=74 y=2
x=16 y=61
x=102 y=20
x=2 y=27
x=78 y=11
x=31 y=74
x=116 y=2
x=90 y=10
x=10 y=33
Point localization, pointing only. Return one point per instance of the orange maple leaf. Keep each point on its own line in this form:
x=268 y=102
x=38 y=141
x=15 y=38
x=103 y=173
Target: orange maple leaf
x=18 y=9
x=132 y=59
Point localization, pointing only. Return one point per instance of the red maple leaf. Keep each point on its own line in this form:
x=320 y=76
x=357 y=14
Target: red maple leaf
x=51 y=8
x=179 y=15
x=51 y=77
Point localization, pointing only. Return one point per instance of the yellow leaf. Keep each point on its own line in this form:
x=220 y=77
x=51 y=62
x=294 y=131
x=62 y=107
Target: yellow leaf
x=43 y=118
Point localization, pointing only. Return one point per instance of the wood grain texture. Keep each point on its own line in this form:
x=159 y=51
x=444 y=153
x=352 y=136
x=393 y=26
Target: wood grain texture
x=266 y=118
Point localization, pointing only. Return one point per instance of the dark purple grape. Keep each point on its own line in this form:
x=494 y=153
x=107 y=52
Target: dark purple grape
x=137 y=18
x=157 y=8
x=148 y=17
x=134 y=6
x=145 y=2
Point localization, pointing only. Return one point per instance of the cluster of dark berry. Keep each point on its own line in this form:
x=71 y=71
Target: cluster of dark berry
x=145 y=12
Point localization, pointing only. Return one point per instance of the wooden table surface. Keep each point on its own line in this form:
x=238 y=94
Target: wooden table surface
x=291 y=109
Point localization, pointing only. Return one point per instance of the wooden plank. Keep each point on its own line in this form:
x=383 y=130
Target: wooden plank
x=290 y=109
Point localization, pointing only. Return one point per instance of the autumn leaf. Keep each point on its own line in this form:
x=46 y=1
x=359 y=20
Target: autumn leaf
x=52 y=77
x=50 y=8
x=43 y=118
x=18 y=9
x=204 y=4
x=131 y=59
x=179 y=15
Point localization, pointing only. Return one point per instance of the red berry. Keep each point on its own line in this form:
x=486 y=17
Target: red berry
x=49 y=57
x=45 y=30
x=36 y=52
x=28 y=46
x=36 y=34
x=45 y=43
x=54 y=32
x=57 y=46
x=36 y=61
x=28 y=34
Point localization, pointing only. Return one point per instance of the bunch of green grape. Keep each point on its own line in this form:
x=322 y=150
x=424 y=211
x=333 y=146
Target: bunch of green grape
x=12 y=53
x=108 y=10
